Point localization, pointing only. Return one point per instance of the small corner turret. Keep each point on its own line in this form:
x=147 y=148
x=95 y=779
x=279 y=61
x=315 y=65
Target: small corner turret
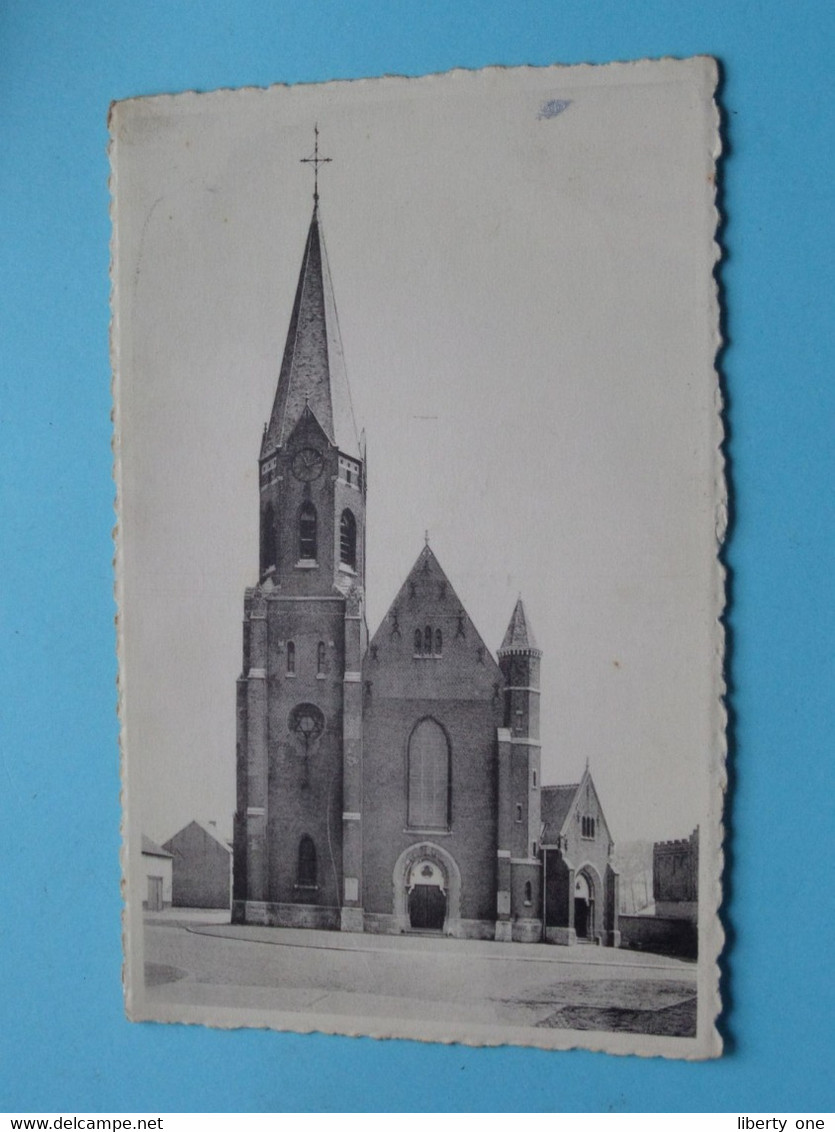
x=519 y=659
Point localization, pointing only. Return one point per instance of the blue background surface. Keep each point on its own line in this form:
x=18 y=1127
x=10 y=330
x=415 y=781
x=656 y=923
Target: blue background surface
x=64 y=1041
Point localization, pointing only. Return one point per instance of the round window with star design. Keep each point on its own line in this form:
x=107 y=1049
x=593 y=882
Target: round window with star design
x=307 y=722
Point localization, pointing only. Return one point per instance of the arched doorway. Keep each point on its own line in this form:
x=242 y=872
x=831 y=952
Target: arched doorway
x=427 y=897
x=583 y=907
x=438 y=910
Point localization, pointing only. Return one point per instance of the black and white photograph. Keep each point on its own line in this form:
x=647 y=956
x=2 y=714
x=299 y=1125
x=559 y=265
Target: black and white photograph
x=420 y=499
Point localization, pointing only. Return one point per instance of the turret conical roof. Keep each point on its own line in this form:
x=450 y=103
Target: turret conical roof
x=519 y=636
x=313 y=367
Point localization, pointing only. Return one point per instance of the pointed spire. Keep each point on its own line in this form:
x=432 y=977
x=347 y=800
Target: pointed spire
x=519 y=636
x=313 y=367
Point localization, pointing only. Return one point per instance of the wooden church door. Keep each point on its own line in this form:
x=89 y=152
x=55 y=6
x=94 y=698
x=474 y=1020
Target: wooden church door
x=427 y=908
x=427 y=898
x=582 y=908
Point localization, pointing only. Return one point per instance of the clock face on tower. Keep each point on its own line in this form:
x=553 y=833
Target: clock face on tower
x=307 y=464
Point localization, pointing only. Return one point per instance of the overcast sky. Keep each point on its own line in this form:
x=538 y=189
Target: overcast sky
x=526 y=306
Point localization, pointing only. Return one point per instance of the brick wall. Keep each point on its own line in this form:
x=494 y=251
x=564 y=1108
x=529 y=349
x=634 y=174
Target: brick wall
x=460 y=688
x=659 y=934
x=471 y=838
x=305 y=783
x=675 y=869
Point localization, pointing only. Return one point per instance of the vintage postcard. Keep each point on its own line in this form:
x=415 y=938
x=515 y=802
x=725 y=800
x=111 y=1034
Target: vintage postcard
x=420 y=603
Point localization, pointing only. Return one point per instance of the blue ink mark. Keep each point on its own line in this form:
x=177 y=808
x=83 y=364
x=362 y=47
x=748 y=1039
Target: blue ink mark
x=553 y=107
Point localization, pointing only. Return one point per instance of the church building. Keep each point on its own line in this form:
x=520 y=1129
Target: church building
x=390 y=784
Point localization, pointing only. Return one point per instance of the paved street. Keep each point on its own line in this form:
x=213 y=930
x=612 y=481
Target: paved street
x=197 y=959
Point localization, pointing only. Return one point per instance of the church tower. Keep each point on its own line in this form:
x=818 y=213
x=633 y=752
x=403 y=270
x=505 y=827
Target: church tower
x=519 y=660
x=299 y=701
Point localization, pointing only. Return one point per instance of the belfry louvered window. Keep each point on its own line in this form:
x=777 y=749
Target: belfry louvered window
x=307 y=531
x=428 y=776
x=348 y=539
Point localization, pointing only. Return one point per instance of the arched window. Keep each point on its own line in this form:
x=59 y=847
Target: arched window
x=427 y=640
x=307 y=531
x=291 y=659
x=418 y=642
x=528 y=892
x=439 y=642
x=428 y=776
x=348 y=539
x=268 y=548
x=306 y=872
x=320 y=659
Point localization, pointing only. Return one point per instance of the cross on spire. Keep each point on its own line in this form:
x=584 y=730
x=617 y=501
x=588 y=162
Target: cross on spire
x=315 y=161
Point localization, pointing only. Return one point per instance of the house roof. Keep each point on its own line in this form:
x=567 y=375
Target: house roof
x=519 y=636
x=207 y=829
x=556 y=804
x=313 y=370
x=151 y=848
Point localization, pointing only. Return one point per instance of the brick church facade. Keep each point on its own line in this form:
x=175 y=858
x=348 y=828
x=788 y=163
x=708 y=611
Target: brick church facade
x=390 y=784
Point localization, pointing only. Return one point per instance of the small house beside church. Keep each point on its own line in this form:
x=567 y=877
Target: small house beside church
x=201 y=867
